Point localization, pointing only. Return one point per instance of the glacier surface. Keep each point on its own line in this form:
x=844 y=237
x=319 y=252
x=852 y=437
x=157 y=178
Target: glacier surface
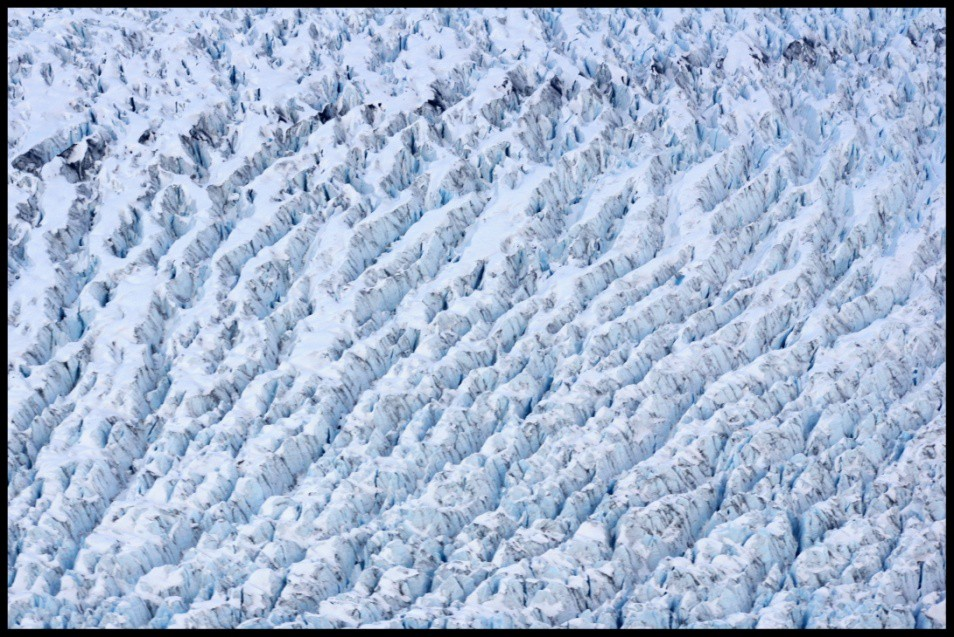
x=476 y=318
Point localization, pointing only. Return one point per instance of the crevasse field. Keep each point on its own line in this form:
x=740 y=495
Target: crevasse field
x=476 y=318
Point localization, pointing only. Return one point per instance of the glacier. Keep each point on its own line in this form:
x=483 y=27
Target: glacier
x=476 y=318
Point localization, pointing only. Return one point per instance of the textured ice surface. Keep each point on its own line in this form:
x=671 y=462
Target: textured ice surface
x=476 y=318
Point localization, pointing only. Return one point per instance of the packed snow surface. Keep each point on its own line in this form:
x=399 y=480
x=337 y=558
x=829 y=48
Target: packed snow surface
x=493 y=318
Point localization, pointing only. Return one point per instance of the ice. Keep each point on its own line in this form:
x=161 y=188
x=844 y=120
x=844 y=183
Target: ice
x=476 y=318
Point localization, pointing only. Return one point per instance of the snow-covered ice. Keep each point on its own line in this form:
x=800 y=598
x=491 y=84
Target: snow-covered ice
x=476 y=318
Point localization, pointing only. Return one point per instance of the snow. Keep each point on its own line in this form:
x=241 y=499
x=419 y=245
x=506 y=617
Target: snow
x=476 y=318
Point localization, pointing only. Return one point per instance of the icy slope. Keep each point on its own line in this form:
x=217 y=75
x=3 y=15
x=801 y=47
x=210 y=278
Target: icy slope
x=476 y=318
